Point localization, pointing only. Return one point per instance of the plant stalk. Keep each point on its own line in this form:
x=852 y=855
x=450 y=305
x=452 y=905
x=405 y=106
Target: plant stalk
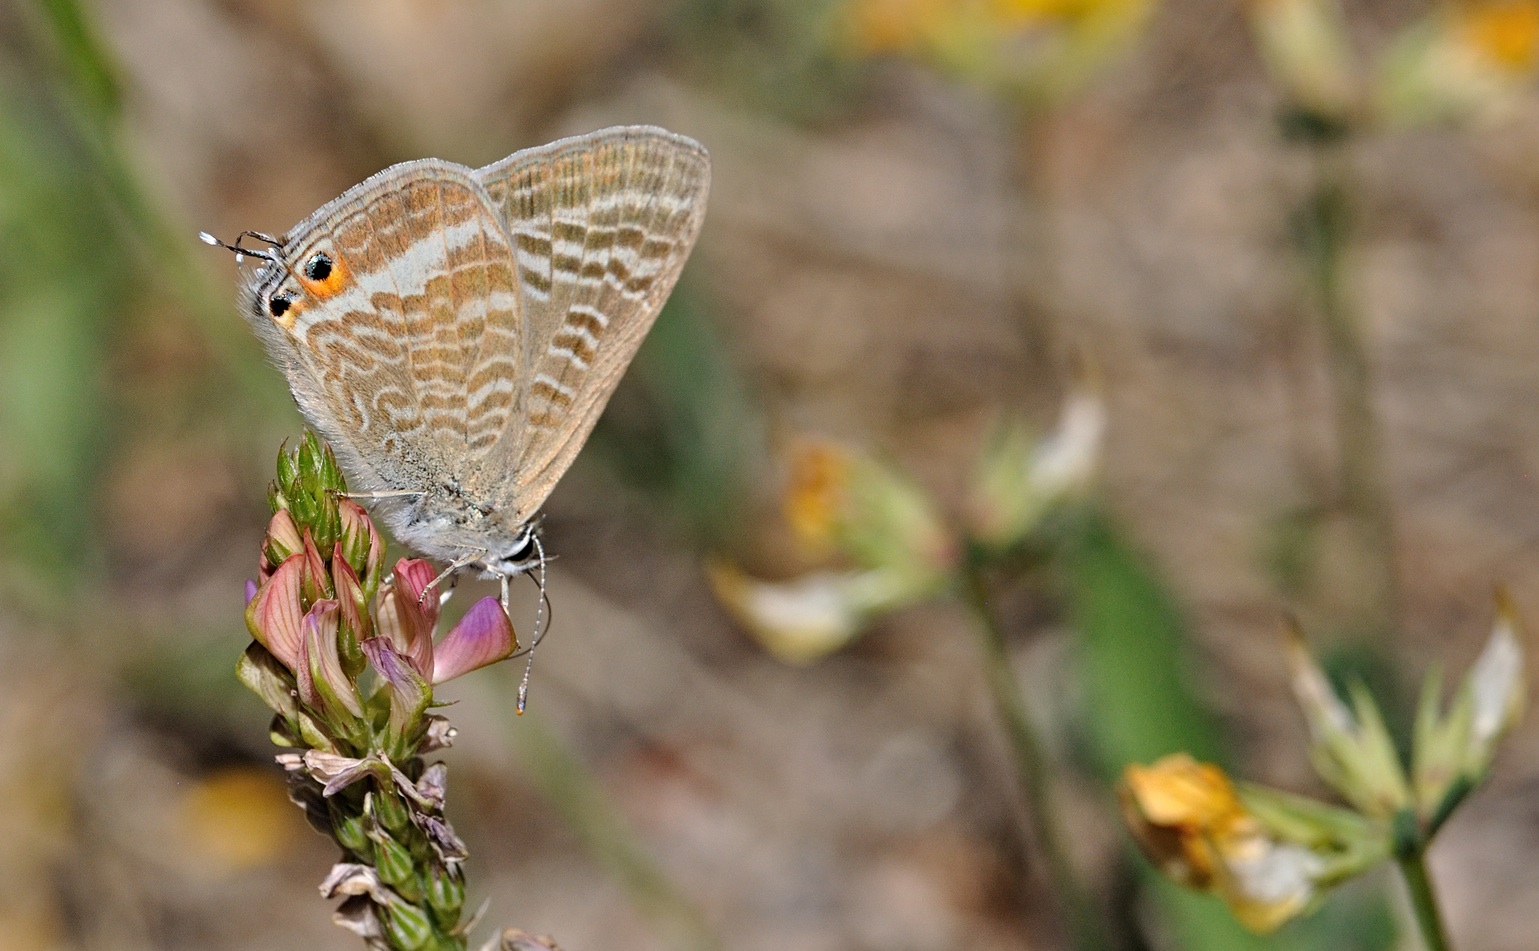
x=1413 y=868
x=1086 y=926
x=588 y=812
x=1324 y=238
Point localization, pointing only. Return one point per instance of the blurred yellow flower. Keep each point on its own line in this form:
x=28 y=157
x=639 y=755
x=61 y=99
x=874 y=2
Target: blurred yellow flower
x=1016 y=13
x=805 y=618
x=238 y=818
x=885 y=26
x=844 y=502
x=1037 y=47
x=1189 y=821
x=1468 y=60
x=817 y=492
x=883 y=531
x=1503 y=33
x=1177 y=809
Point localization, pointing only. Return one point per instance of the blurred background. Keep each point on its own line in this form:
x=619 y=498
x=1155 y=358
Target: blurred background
x=1292 y=250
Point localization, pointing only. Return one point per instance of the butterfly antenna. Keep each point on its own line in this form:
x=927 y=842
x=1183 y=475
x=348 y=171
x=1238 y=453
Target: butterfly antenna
x=542 y=615
x=542 y=612
x=242 y=252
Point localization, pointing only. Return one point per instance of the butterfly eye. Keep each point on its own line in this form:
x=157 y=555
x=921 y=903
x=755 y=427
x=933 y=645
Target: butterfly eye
x=278 y=304
x=318 y=268
x=524 y=551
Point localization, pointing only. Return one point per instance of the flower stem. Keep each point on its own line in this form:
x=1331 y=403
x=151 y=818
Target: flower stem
x=571 y=789
x=1324 y=237
x=1413 y=868
x=1085 y=924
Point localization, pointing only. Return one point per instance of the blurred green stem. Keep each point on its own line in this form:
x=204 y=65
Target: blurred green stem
x=1086 y=925
x=1413 y=868
x=1032 y=259
x=569 y=787
x=1324 y=238
x=89 y=92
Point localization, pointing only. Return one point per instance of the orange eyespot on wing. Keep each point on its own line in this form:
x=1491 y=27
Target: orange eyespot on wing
x=285 y=309
x=323 y=275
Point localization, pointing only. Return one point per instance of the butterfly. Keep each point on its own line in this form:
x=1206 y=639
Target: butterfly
x=454 y=333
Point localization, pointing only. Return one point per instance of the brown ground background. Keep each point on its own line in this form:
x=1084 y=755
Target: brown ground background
x=854 y=268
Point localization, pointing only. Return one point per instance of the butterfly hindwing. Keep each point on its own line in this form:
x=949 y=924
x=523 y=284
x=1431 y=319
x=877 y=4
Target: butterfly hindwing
x=600 y=225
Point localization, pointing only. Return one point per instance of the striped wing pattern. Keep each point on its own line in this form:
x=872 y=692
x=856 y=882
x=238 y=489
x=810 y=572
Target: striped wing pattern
x=468 y=327
x=601 y=226
x=419 y=347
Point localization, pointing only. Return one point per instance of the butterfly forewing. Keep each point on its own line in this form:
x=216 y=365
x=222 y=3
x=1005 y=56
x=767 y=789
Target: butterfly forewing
x=601 y=226
x=414 y=337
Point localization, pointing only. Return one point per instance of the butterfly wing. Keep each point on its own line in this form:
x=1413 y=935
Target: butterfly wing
x=399 y=330
x=601 y=225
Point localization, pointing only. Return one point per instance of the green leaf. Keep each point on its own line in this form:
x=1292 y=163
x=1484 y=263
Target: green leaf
x=1134 y=653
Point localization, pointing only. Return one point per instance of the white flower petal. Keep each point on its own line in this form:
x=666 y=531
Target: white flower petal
x=1066 y=459
x=1495 y=682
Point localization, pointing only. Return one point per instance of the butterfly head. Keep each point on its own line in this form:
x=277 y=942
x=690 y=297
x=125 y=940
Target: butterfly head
x=522 y=553
x=292 y=278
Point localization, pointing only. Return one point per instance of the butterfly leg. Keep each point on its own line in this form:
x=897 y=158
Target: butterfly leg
x=454 y=566
x=383 y=494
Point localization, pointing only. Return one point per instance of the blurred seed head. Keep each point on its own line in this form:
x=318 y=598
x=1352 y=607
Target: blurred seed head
x=1020 y=480
x=1349 y=745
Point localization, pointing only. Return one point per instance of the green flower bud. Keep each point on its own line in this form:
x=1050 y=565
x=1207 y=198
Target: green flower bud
x=309 y=485
x=1453 y=749
x=446 y=892
x=394 y=863
x=1350 y=747
x=361 y=545
x=390 y=811
x=1021 y=480
x=348 y=827
x=407 y=926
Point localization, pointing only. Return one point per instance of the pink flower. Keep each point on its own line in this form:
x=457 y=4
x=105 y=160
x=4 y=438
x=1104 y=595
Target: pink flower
x=275 y=615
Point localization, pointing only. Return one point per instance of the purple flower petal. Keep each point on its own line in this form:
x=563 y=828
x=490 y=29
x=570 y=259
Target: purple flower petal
x=388 y=661
x=412 y=576
x=483 y=636
x=410 y=693
x=404 y=619
x=251 y=590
